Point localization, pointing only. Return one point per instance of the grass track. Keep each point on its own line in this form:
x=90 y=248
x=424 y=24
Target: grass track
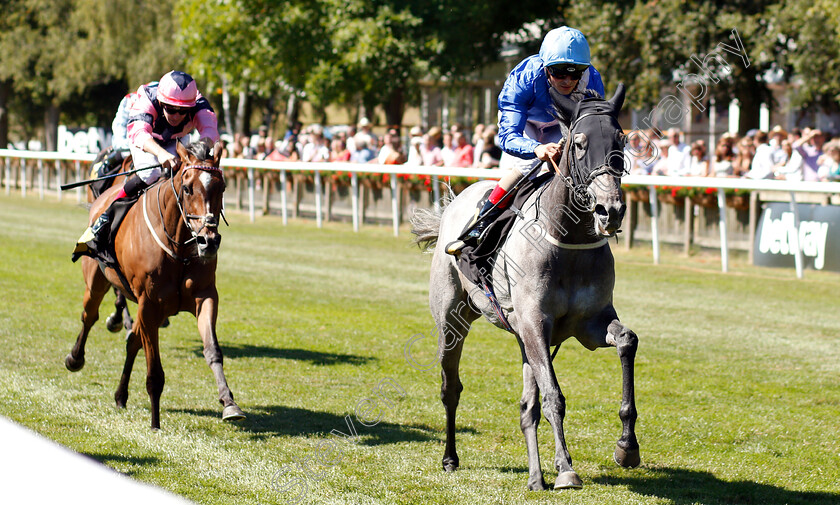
x=738 y=377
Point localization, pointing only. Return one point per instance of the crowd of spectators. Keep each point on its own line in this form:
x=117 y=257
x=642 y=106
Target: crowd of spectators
x=453 y=147
x=805 y=154
x=800 y=155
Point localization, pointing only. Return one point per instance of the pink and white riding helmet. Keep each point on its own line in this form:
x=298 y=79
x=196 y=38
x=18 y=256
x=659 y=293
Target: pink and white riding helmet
x=178 y=89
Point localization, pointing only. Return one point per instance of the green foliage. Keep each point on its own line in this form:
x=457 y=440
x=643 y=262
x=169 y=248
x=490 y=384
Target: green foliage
x=62 y=53
x=376 y=52
x=803 y=42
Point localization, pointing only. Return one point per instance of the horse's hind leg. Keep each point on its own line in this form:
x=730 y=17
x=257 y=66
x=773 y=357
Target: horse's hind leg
x=450 y=394
x=529 y=420
x=453 y=317
x=627 y=447
x=121 y=318
x=132 y=345
x=206 y=318
x=96 y=285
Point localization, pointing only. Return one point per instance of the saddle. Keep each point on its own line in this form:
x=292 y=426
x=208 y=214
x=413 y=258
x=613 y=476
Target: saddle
x=476 y=261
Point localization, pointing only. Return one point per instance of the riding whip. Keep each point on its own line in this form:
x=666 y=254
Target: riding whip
x=76 y=184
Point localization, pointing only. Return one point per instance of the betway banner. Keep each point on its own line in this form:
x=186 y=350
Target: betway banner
x=78 y=140
x=818 y=236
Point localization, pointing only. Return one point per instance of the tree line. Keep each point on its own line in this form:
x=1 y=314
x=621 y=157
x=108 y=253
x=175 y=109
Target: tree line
x=71 y=61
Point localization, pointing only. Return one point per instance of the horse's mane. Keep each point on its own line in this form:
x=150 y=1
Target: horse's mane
x=202 y=149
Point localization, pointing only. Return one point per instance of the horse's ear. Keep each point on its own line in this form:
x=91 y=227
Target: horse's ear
x=617 y=101
x=564 y=105
x=217 y=153
x=181 y=150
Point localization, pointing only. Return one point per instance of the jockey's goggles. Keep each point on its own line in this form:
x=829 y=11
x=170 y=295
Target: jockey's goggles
x=175 y=110
x=562 y=70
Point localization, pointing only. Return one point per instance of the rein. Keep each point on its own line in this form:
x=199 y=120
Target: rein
x=577 y=184
x=206 y=223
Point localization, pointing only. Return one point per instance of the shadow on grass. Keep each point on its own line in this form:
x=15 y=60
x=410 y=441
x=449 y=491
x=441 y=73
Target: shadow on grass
x=273 y=420
x=681 y=486
x=112 y=459
x=314 y=357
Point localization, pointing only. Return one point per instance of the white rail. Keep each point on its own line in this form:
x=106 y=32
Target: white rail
x=720 y=184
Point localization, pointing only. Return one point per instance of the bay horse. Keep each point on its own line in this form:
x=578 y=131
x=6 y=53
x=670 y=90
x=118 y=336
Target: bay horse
x=553 y=277
x=169 y=265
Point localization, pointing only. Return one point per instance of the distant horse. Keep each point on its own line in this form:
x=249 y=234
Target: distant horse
x=169 y=264
x=121 y=318
x=554 y=278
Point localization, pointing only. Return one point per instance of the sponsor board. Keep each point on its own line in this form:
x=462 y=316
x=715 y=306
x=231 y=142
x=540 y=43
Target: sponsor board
x=817 y=236
x=82 y=141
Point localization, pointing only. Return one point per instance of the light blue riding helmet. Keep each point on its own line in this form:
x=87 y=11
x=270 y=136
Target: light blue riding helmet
x=565 y=45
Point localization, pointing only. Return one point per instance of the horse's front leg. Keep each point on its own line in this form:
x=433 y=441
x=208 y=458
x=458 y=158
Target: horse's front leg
x=96 y=285
x=149 y=316
x=529 y=420
x=206 y=310
x=627 y=447
x=535 y=339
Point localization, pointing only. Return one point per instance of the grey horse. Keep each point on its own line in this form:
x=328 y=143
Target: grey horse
x=553 y=278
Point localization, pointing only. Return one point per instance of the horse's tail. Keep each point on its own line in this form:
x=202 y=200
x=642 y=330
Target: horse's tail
x=425 y=223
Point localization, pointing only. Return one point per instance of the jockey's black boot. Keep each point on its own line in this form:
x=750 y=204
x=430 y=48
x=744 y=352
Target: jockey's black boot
x=100 y=228
x=484 y=217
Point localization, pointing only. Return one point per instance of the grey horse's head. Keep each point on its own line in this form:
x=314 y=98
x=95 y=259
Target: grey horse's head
x=594 y=155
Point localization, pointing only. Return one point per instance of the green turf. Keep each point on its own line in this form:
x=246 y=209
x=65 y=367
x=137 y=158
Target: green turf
x=738 y=377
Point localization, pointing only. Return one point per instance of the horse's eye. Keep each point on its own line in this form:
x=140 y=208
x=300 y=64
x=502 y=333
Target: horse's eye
x=187 y=189
x=581 y=143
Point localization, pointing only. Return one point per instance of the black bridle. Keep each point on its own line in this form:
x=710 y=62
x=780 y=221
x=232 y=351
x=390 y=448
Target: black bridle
x=579 y=179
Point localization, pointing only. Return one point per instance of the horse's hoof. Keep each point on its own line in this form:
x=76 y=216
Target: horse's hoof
x=113 y=324
x=537 y=484
x=450 y=464
x=73 y=364
x=627 y=458
x=120 y=400
x=232 y=413
x=568 y=480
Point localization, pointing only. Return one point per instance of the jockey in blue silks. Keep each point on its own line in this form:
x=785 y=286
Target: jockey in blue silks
x=529 y=132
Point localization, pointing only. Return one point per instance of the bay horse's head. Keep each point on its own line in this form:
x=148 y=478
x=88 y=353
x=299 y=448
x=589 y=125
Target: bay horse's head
x=593 y=154
x=200 y=186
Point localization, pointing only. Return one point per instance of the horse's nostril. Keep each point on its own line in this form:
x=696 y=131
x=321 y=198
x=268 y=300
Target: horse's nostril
x=601 y=210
